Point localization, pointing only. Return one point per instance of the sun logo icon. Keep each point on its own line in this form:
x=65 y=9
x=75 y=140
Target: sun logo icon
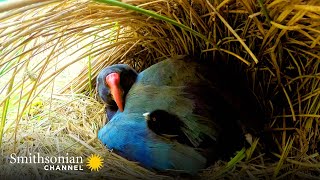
x=95 y=162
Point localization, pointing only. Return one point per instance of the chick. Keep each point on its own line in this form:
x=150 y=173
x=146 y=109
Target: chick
x=167 y=125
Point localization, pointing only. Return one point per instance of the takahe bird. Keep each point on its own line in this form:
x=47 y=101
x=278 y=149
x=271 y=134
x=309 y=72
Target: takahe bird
x=185 y=89
x=113 y=85
x=168 y=125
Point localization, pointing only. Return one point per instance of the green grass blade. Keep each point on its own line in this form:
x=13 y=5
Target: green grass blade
x=154 y=15
x=240 y=155
x=284 y=155
x=3 y=119
x=90 y=76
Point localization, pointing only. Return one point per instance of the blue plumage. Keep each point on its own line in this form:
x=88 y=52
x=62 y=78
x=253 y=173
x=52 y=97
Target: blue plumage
x=183 y=88
x=131 y=138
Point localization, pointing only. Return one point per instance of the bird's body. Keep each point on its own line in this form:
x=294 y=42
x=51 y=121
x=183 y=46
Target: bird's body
x=188 y=90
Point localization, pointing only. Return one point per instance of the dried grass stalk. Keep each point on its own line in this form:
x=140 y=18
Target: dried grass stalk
x=39 y=43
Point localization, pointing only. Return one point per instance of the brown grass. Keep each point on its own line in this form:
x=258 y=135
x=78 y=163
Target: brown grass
x=276 y=42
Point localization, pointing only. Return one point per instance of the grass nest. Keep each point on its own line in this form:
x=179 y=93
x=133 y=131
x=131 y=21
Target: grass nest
x=51 y=52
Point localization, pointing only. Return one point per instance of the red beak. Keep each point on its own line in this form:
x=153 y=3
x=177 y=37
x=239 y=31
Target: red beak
x=113 y=81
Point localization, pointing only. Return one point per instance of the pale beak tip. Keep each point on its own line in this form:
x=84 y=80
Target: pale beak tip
x=146 y=115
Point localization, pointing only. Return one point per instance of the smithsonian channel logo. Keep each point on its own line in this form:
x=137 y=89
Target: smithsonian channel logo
x=60 y=163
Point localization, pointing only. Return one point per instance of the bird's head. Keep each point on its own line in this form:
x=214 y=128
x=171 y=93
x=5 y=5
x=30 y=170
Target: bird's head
x=153 y=119
x=158 y=118
x=113 y=84
x=147 y=117
x=157 y=114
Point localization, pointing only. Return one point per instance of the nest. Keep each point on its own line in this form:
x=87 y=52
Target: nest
x=51 y=52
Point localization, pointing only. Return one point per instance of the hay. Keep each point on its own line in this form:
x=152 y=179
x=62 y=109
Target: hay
x=276 y=42
x=70 y=127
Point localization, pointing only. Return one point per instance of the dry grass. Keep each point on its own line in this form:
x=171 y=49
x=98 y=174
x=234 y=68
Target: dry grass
x=277 y=42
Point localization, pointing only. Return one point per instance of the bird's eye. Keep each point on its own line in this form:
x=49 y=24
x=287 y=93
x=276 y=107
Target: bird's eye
x=154 y=119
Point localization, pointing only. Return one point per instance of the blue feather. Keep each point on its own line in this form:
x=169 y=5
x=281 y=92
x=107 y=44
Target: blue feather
x=133 y=140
